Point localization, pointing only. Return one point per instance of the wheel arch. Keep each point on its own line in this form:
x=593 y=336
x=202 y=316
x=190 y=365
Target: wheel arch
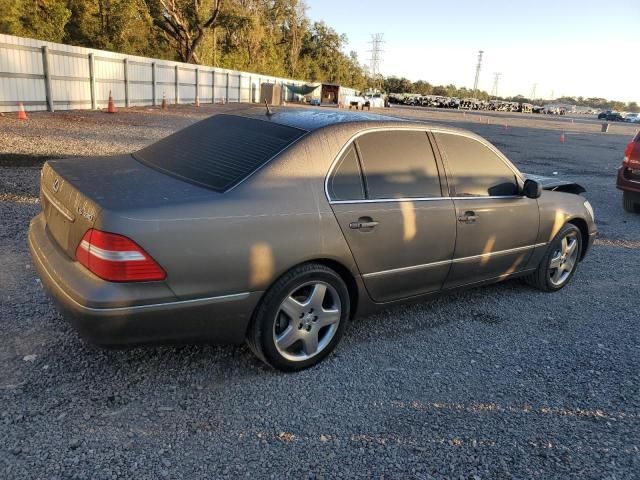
x=342 y=270
x=348 y=278
x=581 y=223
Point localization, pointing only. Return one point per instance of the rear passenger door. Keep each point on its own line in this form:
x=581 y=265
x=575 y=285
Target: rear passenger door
x=496 y=226
x=386 y=194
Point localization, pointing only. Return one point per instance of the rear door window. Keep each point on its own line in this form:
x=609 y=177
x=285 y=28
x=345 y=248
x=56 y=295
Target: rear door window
x=398 y=164
x=345 y=182
x=476 y=170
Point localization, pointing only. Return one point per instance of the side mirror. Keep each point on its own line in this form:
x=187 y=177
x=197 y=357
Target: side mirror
x=531 y=189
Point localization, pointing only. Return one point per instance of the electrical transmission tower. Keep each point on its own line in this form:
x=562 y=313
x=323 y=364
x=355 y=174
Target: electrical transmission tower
x=496 y=79
x=475 y=83
x=376 y=56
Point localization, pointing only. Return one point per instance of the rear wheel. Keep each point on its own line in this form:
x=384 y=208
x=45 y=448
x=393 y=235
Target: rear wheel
x=300 y=319
x=631 y=202
x=560 y=262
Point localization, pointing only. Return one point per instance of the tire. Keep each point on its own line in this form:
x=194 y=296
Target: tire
x=630 y=202
x=549 y=278
x=309 y=301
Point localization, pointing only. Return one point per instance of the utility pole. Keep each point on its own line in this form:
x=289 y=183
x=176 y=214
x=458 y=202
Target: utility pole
x=533 y=92
x=496 y=79
x=376 y=56
x=475 y=83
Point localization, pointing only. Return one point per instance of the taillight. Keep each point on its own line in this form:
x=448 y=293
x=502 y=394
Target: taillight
x=117 y=258
x=627 y=152
x=632 y=155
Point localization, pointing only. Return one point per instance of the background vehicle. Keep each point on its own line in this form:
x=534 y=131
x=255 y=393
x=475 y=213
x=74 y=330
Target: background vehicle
x=632 y=118
x=279 y=228
x=611 y=117
x=629 y=176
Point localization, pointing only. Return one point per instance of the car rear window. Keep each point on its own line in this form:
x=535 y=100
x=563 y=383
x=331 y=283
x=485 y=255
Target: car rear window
x=219 y=152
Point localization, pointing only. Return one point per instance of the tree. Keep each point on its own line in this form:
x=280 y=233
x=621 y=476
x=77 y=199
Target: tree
x=121 y=25
x=184 y=23
x=398 y=85
x=422 y=87
x=41 y=19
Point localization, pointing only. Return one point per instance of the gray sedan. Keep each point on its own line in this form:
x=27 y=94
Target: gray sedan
x=276 y=229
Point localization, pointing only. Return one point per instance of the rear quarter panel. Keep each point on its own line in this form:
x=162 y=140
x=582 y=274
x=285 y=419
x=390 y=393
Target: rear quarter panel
x=244 y=239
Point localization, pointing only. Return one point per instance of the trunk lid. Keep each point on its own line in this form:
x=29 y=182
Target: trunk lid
x=76 y=193
x=68 y=212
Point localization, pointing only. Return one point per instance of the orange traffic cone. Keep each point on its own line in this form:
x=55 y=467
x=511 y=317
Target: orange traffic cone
x=562 y=138
x=164 y=102
x=111 y=108
x=22 y=115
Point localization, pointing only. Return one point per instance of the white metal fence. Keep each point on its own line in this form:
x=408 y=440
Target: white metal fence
x=53 y=76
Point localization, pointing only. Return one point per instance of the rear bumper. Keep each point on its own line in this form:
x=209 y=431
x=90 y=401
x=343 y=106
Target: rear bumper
x=119 y=314
x=624 y=182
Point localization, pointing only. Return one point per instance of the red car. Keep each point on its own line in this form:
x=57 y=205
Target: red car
x=629 y=176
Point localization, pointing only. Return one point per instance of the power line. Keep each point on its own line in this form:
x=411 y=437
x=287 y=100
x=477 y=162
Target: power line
x=475 y=83
x=376 y=54
x=496 y=79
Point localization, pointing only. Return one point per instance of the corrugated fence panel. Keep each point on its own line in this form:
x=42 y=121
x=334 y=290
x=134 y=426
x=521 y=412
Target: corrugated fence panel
x=187 y=84
x=140 y=83
x=23 y=78
x=70 y=79
x=165 y=82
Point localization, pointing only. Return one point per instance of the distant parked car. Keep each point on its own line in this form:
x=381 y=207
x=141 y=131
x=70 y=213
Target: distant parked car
x=632 y=118
x=629 y=176
x=603 y=115
x=613 y=117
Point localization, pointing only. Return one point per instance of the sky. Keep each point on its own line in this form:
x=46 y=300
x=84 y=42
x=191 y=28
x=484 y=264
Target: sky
x=588 y=48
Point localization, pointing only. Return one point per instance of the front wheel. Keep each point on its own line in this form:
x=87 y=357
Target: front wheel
x=560 y=262
x=300 y=319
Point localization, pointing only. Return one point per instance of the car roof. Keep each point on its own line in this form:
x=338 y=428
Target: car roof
x=310 y=119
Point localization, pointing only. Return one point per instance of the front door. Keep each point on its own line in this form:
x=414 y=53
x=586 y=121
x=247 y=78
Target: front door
x=496 y=226
x=385 y=192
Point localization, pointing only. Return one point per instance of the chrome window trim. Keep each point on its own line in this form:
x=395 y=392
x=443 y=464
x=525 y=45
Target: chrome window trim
x=426 y=130
x=452 y=261
x=352 y=139
x=484 y=142
x=422 y=199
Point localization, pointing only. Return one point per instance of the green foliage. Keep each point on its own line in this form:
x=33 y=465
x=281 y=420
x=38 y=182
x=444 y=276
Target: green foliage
x=42 y=19
x=272 y=37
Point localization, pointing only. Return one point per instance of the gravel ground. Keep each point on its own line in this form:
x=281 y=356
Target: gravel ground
x=493 y=383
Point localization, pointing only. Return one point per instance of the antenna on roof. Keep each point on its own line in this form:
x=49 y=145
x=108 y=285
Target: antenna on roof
x=269 y=111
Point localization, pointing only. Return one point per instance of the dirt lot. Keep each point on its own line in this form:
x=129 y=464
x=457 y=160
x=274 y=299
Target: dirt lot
x=496 y=382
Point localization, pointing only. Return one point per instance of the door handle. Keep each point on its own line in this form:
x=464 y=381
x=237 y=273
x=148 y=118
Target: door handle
x=468 y=217
x=363 y=223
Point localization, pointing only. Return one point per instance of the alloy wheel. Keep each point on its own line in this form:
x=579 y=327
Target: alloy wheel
x=564 y=259
x=306 y=321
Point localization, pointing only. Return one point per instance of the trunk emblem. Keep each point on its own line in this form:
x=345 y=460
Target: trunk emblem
x=56 y=185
